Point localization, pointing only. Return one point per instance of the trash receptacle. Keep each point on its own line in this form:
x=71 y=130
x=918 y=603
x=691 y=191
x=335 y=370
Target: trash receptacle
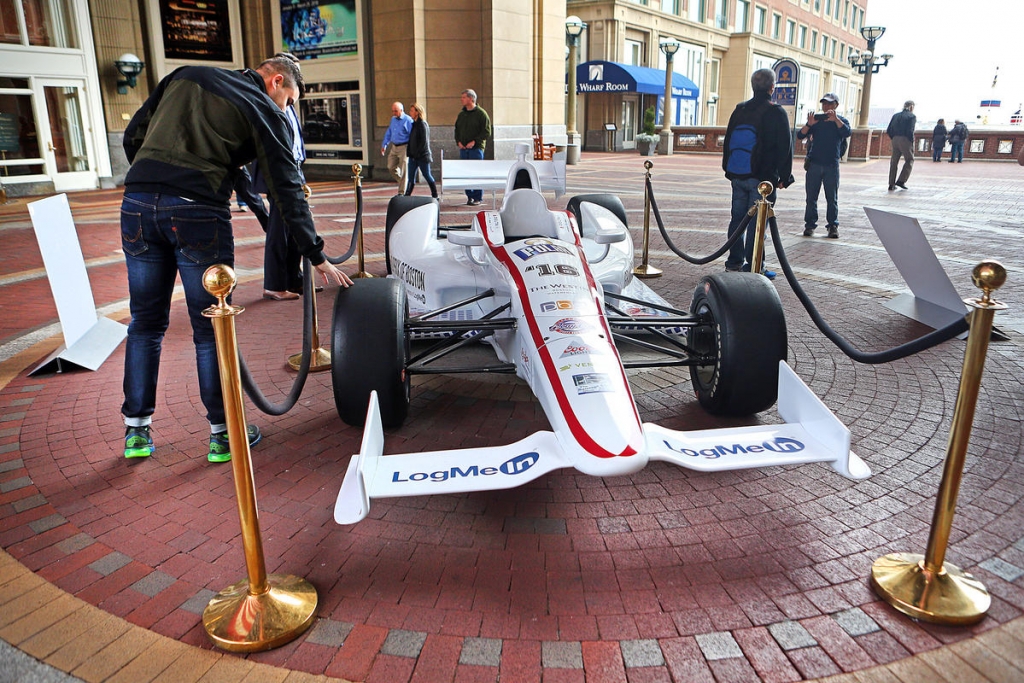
x=572 y=153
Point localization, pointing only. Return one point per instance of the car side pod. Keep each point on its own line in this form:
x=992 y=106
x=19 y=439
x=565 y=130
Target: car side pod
x=370 y=474
x=811 y=433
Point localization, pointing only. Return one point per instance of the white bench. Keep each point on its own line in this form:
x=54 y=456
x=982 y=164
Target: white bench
x=467 y=174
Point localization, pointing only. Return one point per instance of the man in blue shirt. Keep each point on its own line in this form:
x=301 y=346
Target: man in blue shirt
x=396 y=140
x=827 y=131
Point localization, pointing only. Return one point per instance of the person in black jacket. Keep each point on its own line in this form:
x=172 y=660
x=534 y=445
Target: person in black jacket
x=938 y=139
x=827 y=131
x=186 y=146
x=901 y=132
x=418 y=150
x=770 y=158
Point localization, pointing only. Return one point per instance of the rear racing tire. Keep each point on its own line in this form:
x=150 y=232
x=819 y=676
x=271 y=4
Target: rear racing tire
x=369 y=351
x=746 y=332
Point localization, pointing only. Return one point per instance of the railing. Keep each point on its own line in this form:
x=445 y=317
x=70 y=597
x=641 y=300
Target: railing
x=984 y=144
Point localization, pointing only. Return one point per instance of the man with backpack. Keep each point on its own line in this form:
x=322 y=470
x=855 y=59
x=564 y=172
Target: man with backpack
x=829 y=133
x=901 y=132
x=957 y=138
x=758 y=146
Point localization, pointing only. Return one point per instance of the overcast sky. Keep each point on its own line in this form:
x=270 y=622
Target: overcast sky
x=946 y=53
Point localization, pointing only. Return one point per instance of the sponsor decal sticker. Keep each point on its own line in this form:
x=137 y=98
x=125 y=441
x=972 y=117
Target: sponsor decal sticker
x=779 y=444
x=512 y=466
x=569 y=326
x=549 y=306
x=576 y=349
x=592 y=383
x=528 y=252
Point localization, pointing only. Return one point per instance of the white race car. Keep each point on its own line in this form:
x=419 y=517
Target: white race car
x=552 y=294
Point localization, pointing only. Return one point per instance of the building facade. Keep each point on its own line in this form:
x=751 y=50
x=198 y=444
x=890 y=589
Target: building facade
x=64 y=104
x=721 y=43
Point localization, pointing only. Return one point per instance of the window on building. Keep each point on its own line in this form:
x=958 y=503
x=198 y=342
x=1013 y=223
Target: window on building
x=742 y=16
x=47 y=23
x=817 y=6
x=670 y=6
x=839 y=86
x=814 y=41
x=846 y=13
x=842 y=52
x=776 y=26
x=763 y=62
x=760 y=20
x=790 y=31
x=824 y=46
x=721 y=13
x=695 y=10
x=634 y=53
x=803 y=38
x=828 y=8
x=833 y=55
x=838 y=8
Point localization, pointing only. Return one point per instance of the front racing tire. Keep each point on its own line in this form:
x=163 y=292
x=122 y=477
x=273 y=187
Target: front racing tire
x=369 y=351
x=746 y=334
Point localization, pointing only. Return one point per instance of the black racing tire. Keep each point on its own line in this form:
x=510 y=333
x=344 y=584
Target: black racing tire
x=746 y=332
x=608 y=201
x=398 y=206
x=369 y=350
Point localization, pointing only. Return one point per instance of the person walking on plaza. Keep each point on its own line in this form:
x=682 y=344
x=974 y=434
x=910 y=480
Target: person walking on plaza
x=957 y=138
x=472 y=128
x=758 y=146
x=829 y=133
x=420 y=157
x=938 y=140
x=185 y=146
x=396 y=140
x=901 y=132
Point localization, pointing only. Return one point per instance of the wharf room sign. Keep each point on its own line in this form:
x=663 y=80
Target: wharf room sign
x=612 y=77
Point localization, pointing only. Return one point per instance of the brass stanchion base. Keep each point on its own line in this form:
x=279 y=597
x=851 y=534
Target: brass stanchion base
x=239 y=622
x=951 y=597
x=646 y=271
x=320 y=361
x=362 y=274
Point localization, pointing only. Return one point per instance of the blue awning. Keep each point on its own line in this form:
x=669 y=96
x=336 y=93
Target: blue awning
x=612 y=77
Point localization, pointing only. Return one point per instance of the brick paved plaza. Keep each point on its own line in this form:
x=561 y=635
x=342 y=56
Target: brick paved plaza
x=665 y=575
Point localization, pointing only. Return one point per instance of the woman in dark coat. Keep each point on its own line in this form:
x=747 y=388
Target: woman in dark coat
x=418 y=150
x=938 y=140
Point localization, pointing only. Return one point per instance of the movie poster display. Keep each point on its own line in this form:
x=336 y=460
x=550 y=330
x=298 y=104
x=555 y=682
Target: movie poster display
x=319 y=28
x=196 y=29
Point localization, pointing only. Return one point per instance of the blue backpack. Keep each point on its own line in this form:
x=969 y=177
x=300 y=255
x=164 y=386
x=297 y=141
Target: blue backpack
x=741 y=145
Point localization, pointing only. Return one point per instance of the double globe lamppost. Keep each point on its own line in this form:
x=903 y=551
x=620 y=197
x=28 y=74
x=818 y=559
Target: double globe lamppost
x=867 y=63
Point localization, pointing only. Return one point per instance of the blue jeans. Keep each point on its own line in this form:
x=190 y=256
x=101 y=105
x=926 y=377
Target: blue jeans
x=424 y=168
x=957 y=153
x=744 y=195
x=474 y=153
x=818 y=175
x=163 y=237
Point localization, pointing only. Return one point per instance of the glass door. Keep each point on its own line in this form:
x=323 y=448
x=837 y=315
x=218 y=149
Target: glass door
x=65 y=135
x=628 y=125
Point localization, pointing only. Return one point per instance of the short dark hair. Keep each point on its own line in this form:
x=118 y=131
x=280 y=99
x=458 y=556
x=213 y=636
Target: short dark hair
x=763 y=80
x=287 y=65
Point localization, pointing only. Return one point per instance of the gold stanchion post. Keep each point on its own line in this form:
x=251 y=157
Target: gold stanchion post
x=926 y=587
x=320 y=359
x=263 y=611
x=357 y=169
x=764 y=211
x=645 y=270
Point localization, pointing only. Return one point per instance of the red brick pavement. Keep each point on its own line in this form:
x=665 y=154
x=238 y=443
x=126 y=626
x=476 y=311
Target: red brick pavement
x=662 y=575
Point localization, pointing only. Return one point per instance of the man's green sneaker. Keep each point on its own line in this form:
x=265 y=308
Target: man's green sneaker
x=137 y=442
x=220 y=450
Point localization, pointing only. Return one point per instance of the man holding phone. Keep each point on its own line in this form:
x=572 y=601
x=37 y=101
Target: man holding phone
x=828 y=132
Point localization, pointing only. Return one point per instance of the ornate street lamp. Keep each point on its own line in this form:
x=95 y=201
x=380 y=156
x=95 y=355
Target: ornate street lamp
x=867 y=64
x=574 y=27
x=670 y=48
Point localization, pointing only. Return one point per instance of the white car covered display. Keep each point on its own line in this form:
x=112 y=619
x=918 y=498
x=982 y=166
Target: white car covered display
x=552 y=293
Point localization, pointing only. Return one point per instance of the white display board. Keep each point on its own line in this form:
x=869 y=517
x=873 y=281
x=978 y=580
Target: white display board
x=934 y=301
x=88 y=338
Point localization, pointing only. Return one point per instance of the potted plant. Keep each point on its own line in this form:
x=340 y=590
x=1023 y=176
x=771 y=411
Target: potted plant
x=647 y=141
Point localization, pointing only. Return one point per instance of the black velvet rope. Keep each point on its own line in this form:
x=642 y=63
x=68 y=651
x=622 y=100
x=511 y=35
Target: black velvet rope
x=927 y=341
x=338 y=260
x=249 y=384
x=696 y=260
